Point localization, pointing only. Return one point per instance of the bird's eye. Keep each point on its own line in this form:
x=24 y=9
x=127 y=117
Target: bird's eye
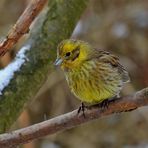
x=67 y=54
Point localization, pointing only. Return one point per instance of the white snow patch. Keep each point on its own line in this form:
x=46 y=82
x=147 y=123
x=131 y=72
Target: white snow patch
x=7 y=73
x=77 y=29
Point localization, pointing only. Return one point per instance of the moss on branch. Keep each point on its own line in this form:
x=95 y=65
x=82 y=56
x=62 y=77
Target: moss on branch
x=58 y=24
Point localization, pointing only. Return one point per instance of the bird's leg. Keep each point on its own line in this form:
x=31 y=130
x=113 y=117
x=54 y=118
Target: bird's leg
x=104 y=104
x=82 y=108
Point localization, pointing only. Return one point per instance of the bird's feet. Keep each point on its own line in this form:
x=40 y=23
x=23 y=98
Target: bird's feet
x=82 y=108
x=104 y=104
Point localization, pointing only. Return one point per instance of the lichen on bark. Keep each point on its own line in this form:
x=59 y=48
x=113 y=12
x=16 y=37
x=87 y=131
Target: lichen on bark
x=58 y=24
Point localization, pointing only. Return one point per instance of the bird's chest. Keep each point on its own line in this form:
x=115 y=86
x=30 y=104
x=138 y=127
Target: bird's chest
x=83 y=84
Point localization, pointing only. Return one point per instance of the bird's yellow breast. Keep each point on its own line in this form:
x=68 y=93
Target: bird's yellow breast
x=89 y=85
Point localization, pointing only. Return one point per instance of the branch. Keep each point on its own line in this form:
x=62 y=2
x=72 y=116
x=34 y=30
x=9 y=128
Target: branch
x=22 y=25
x=71 y=119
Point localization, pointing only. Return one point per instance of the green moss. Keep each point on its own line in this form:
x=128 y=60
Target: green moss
x=59 y=23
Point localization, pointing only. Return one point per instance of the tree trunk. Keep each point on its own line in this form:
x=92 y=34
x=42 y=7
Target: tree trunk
x=58 y=24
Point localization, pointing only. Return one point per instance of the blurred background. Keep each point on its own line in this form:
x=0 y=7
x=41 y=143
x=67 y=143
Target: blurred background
x=119 y=26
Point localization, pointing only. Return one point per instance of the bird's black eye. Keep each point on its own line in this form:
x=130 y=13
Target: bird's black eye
x=67 y=54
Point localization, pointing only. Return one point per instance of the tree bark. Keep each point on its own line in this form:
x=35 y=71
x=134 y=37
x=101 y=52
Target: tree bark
x=57 y=25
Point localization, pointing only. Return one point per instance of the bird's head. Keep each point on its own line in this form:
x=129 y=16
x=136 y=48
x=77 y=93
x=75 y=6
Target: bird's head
x=72 y=53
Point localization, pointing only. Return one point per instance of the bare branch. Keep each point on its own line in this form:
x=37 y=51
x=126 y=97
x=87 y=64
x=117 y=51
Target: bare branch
x=22 y=25
x=71 y=119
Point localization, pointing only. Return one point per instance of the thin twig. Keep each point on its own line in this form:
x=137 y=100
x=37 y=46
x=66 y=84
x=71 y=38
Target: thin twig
x=71 y=119
x=22 y=25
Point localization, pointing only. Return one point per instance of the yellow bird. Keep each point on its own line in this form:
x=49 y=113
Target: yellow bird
x=93 y=75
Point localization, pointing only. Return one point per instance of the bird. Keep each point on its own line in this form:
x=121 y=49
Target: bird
x=93 y=75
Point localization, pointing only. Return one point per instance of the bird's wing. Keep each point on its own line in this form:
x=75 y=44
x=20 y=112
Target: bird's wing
x=113 y=60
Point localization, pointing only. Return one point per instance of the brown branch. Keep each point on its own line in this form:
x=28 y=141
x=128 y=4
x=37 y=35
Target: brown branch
x=22 y=25
x=71 y=119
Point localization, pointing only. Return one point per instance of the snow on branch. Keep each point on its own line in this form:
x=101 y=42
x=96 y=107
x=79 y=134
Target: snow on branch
x=22 y=25
x=72 y=119
x=43 y=39
x=7 y=73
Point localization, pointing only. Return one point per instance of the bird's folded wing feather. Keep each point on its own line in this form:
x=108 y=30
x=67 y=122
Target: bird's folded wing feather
x=107 y=57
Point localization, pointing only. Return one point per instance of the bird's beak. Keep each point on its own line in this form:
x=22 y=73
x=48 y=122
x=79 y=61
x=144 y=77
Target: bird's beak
x=58 y=61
